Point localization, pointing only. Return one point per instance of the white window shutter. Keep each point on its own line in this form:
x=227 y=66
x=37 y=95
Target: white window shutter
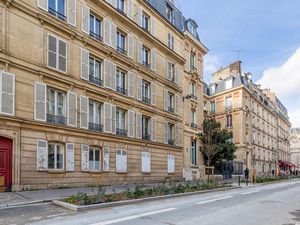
x=107 y=74
x=130 y=124
x=107 y=118
x=139 y=87
x=71 y=4
x=106 y=159
x=52 y=51
x=146 y=162
x=166 y=133
x=114 y=3
x=153 y=59
x=153 y=129
x=177 y=136
x=85 y=56
x=7 y=93
x=62 y=53
x=139 y=46
x=153 y=94
x=85 y=26
x=107 y=31
x=176 y=75
x=152 y=26
x=70 y=155
x=138 y=15
x=169 y=70
x=113 y=119
x=119 y=160
x=130 y=46
x=72 y=109
x=177 y=104
x=166 y=99
x=130 y=85
x=40 y=101
x=84 y=112
x=42 y=155
x=171 y=164
x=130 y=9
x=138 y=125
x=43 y=4
x=113 y=35
x=113 y=74
x=85 y=158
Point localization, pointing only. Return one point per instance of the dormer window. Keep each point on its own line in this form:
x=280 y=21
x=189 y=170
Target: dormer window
x=228 y=83
x=213 y=89
x=170 y=13
x=192 y=27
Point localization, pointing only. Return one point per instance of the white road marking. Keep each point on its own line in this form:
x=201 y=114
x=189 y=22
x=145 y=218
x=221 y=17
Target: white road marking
x=55 y=215
x=213 y=200
x=250 y=192
x=25 y=205
x=36 y=218
x=133 y=217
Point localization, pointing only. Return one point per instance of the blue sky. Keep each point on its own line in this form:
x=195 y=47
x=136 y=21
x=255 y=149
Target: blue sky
x=268 y=34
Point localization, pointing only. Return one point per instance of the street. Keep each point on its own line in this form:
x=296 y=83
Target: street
x=274 y=204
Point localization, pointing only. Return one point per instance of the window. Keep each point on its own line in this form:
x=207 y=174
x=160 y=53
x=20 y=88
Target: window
x=193 y=93
x=121 y=161
x=171 y=164
x=171 y=134
x=193 y=118
x=228 y=103
x=193 y=153
x=212 y=89
x=57 y=53
x=228 y=84
x=145 y=22
x=121 y=5
x=228 y=121
x=121 y=82
x=95 y=28
x=171 y=102
x=94 y=159
x=212 y=107
x=95 y=71
x=146 y=128
x=146 y=92
x=192 y=29
x=121 y=126
x=57 y=8
x=121 y=43
x=95 y=116
x=146 y=162
x=170 y=41
x=145 y=57
x=170 y=14
x=56 y=156
x=56 y=106
x=171 y=71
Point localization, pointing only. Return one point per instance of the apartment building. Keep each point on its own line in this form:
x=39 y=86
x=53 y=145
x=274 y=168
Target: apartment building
x=92 y=91
x=295 y=148
x=257 y=118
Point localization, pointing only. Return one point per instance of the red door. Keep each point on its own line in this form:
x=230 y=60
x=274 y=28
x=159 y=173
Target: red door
x=6 y=161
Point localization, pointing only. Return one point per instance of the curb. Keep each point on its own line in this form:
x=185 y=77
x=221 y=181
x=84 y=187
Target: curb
x=133 y=201
x=7 y=206
x=279 y=181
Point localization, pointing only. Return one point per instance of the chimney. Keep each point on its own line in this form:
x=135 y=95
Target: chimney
x=249 y=75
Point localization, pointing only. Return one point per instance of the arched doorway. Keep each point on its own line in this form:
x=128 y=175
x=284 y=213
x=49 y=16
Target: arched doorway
x=5 y=164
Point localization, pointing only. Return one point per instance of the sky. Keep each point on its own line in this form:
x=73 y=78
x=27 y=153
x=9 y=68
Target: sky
x=265 y=32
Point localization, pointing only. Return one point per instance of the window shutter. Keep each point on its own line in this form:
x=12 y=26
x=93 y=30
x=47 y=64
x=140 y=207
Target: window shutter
x=119 y=160
x=85 y=158
x=62 y=53
x=84 y=113
x=113 y=120
x=42 y=155
x=131 y=84
x=138 y=125
x=146 y=162
x=107 y=75
x=139 y=87
x=153 y=59
x=176 y=74
x=139 y=46
x=171 y=164
x=72 y=12
x=169 y=70
x=124 y=161
x=107 y=118
x=43 y=4
x=7 y=93
x=166 y=133
x=153 y=129
x=72 y=109
x=166 y=95
x=177 y=104
x=107 y=32
x=129 y=9
x=177 y=136
x=113 y=35
x=138 y=15
x=153 y=93
x=130 y=45
x=152 y=26
x=85 y=26
x=40 y=102
x=106 y=159
x=130 y=124
x=70 y=157
x=114 y=3
x=52 y=52
x=113 y=74
x=85 y=56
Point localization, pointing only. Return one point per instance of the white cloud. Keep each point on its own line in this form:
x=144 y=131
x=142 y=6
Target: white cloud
x=295 y=117
x=211 y=65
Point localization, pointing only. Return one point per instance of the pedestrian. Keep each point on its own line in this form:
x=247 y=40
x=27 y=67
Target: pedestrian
x=246 y=173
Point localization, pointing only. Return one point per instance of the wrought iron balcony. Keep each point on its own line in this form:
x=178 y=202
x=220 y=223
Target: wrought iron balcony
x=228 y=108
x=193 y=69
x=120 y=10
x=61 y=120
x=95 y=80
x=121 y=50
x=121 y=90
x=57 y=14
x=146 y=64
x=171 y=142
x=193 y=125
x=146 y=136
x=121 y=132
x=146 y=100
x=194 y=97
x=171 y=109
x=96 y=127
x=96 y=36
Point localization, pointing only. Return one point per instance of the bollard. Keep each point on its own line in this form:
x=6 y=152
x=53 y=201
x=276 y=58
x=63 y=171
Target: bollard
x=239 y=181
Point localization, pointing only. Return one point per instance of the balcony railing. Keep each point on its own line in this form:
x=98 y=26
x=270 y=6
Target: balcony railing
x=121 y=50
x=193 y=68
x=171 y=142
x=96 y=127
x=194 y=97
x=121 y=132
x=95 y=80
x=57 y=14
x=146 y=136
x=193 y=125
x=121 y=90
x=171 y=109
x=146 y=100
x=96 y=36
x=146 y=64
x=121 y=10
x=61 y=120
x=228 y=108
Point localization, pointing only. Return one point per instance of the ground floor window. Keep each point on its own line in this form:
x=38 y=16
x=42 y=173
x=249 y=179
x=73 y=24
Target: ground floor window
x=56 y=157
x=94 y=159
x=193 y=153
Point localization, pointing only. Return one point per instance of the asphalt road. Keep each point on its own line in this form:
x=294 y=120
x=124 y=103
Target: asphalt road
x=275 y=204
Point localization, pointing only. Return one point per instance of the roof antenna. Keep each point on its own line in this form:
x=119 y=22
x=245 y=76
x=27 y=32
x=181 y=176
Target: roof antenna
x=238 y=52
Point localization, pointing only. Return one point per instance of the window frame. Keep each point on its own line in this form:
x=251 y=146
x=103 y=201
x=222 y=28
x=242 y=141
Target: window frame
x=56 y=13
x=101 y=115
x=56 y=91
x=229 y=122
x=194 y=152
x=57 y=53
x=94 y=149
x=93 y=33
x=55 y=157
x=100 y=78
